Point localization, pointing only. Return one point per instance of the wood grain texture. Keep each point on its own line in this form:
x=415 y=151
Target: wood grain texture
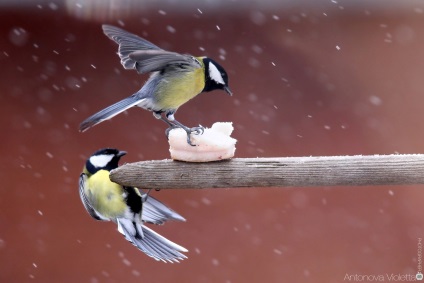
x=274 y=172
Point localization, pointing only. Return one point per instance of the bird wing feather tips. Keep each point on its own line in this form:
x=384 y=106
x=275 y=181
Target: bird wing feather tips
x=151 y=243
x=156 y=60
x=93 y=213
x=157 y=213
x=109 y=112
x=128 y=43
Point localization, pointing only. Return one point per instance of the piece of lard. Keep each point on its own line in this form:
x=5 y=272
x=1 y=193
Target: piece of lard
x=214 y=144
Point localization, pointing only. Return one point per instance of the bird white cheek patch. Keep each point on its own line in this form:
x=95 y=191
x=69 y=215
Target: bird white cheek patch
x=215 y=74
x=100 y=160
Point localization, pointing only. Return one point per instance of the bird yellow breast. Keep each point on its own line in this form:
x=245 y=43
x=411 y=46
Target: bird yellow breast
x=180 y=88
x=105 y=196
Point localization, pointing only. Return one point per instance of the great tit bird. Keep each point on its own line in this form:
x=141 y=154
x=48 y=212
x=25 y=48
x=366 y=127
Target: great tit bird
x=175 y=79
x=126 y=206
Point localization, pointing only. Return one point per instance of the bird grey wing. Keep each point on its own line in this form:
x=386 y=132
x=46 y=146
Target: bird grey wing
x=128 y=43
x=109 y=112
x=156 y=60
x=156 y=212
x=93 y=213
x=151 y=243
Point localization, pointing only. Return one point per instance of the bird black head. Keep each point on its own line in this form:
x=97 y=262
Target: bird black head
x=215 y=76
x=104 y=159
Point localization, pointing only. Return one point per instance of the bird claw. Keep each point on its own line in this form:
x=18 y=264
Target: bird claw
x=195 y=130
x=145 y=196
x=168 y=130
x=189 y=139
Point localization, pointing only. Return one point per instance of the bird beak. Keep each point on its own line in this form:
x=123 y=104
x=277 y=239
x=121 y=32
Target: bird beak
x=121 y=153
x=227 y=90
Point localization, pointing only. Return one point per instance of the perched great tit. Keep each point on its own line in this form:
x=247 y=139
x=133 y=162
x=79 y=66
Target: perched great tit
x=175 y=79
x=105 y=200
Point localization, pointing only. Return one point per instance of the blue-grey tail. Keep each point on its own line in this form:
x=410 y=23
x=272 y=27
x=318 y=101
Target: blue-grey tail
x=109 y=112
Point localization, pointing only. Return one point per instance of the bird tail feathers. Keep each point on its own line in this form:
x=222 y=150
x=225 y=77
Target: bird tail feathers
x=109 y=112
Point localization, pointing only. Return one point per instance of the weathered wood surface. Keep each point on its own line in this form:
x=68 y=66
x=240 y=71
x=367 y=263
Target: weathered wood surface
x=358 y=170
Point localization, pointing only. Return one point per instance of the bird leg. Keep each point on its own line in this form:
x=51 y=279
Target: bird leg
x=195 y=130
x=173 y=124
x=158 y=115
x=145 y=196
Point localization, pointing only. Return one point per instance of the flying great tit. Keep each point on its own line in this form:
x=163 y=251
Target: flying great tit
x=105 y=200
x=175 y=79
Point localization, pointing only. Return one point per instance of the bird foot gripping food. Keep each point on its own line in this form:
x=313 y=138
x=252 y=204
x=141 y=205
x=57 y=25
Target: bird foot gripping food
x=214 y=144
x=189 y=131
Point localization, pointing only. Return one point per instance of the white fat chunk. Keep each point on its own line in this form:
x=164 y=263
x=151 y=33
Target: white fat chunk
x=213 y=145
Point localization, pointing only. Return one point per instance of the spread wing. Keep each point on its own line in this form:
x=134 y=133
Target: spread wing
x=93 y=213
x=156 y=60
x=142 y=55
x=158 y=213
x=128 y=43
x=150 y=242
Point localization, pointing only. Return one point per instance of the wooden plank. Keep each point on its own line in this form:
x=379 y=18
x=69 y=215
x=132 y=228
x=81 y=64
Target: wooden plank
x=360 y=170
